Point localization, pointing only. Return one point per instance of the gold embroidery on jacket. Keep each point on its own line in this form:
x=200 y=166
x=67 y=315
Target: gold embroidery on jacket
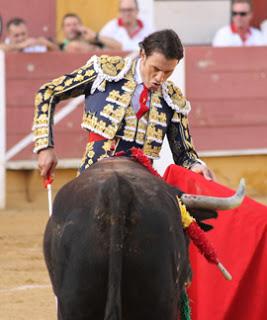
x=155 y=100
x=114 y=114
x=91 y=122
x=129 y=86
x=176 y=94
x=120 y=99
x=151 y=151
x=130 y=125
x=157 y=117
x=111 y=65
x=141 y=129
x=175 y=118
x=154 y=134
x=107 y=145
x=88 y=155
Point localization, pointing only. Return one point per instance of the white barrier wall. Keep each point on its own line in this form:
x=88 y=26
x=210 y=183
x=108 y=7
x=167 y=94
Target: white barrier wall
x=146 y=11
x=195 y=21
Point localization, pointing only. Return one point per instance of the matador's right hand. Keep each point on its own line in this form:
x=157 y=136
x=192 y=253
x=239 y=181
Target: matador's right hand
x=47 y=161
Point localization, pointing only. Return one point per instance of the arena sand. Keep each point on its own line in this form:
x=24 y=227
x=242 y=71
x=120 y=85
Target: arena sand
x=25 y=290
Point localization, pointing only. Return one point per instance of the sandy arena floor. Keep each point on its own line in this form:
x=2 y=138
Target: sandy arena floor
x=25 y=291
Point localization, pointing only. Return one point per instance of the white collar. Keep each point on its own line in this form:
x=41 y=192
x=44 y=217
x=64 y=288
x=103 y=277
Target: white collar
x=137 y=72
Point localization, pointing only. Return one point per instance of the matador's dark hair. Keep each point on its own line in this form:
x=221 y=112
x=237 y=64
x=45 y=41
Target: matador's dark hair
x=166 y=42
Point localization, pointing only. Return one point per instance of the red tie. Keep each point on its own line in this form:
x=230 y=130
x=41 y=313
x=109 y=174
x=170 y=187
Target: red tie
x=142 y=103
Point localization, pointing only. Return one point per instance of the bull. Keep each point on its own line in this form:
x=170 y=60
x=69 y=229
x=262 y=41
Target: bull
x=115 y=247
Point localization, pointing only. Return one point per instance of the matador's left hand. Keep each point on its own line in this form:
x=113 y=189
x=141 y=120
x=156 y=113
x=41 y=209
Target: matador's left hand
x=204 y=170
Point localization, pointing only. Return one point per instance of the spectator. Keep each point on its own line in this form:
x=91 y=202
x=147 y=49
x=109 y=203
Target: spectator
x=264 y=31
x=18 y=39
x=127 y=28
x=80 y=46
x=239 y=33
x=82 y=36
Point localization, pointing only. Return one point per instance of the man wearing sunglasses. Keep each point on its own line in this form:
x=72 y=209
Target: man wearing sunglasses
x=239 y=32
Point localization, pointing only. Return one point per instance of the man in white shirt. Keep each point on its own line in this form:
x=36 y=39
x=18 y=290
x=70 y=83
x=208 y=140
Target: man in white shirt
x=239 y=33
x=19 y=40
x=127 y=28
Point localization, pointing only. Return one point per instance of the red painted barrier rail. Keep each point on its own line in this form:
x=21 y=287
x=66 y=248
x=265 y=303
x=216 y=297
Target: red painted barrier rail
x=226 y=87
x=227 y=90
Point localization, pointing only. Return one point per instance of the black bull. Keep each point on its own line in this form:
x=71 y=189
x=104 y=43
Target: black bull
x=115 y=246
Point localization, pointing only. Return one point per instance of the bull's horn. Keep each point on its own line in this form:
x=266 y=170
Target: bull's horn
x=215 y=203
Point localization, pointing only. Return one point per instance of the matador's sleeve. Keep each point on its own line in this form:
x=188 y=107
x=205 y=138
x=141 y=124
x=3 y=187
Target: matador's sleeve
x=67 y=86
x=180 y=141
x=178 y=134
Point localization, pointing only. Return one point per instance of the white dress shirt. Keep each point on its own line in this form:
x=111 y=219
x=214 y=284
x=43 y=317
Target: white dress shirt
x=139 y=88
x=113 y=30
x=225 y=37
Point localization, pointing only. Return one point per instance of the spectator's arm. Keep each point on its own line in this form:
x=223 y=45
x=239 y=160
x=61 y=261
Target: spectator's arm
x=94 y=37
x=11 y=46
x=4 y=47
x=51 y=46
x=19 y=46
x=108 y=42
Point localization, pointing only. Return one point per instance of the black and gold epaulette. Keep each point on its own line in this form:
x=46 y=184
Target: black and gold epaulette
x=111 y=68
x=174 y=98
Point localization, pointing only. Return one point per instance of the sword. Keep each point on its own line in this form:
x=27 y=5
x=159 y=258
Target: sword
x=48 y=185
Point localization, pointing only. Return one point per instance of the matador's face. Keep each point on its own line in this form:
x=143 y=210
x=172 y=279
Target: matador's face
x=155 y=69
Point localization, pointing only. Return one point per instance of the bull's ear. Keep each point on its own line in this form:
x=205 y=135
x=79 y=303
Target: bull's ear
x=202 y=214
x=204 y=226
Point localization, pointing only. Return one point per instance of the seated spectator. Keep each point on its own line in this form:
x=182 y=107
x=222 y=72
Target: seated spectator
x=74 y=30
x=264 y=31
x=127 y=28
x=79 y=46
x=19 y=40
x=239 y=33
